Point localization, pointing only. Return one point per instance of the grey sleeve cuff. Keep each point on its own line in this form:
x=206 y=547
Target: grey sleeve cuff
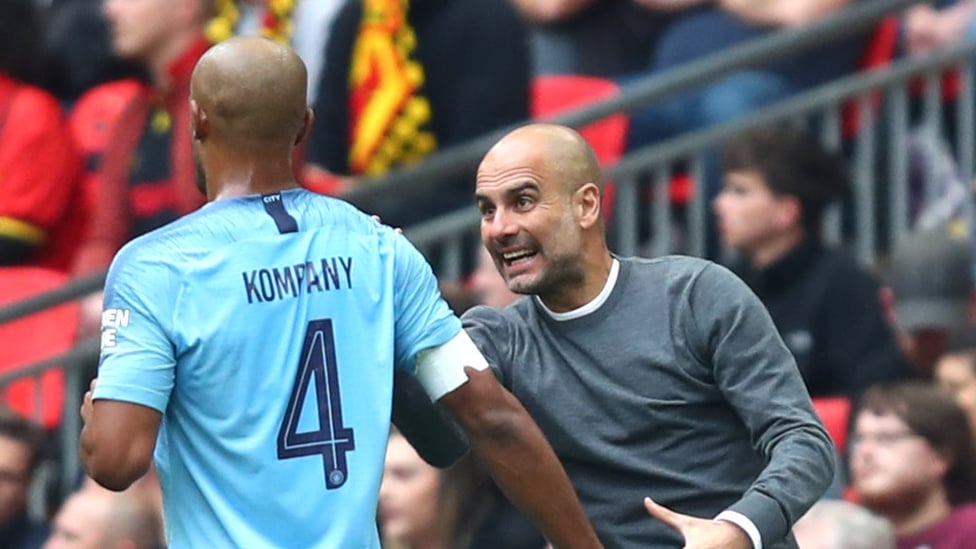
x=765 y=513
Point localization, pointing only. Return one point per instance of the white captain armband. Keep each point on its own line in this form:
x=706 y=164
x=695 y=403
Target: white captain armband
x=441 y=369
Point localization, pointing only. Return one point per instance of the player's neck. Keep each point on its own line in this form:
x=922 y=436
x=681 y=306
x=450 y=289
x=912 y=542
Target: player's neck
x=231 y=174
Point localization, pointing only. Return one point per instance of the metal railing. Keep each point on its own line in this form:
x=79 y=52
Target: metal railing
x=882 y=98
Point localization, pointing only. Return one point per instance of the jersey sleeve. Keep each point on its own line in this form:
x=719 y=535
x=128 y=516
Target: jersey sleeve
x=138 y=359
x=423 y=318
x=758 y=377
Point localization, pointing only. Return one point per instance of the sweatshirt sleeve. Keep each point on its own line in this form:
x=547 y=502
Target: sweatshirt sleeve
x=758 y=377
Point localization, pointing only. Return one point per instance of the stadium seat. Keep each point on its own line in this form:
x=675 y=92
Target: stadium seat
x=555 y=94
x=835 y=413
x=34 y=338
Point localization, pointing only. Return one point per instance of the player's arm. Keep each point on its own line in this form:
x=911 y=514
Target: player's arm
x=117 y=440
x=510 y=443
x=426 y=425
x=123 y=409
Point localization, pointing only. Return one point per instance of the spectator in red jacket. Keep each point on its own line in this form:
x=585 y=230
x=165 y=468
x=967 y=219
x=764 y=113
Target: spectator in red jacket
x=40 y=213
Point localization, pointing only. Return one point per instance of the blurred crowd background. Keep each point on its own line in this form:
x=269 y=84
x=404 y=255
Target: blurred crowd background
x=854 y=227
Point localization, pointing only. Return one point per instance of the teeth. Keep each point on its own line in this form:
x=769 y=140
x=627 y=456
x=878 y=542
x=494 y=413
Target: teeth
x=512 y=256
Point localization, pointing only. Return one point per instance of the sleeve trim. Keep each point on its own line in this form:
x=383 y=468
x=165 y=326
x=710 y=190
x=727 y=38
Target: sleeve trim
x=743 y=522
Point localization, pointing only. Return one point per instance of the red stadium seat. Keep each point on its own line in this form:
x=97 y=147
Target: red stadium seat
x=835 y=413
x=554 y=94
x=34 y=338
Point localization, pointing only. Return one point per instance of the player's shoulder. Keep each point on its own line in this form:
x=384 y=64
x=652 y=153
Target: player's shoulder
x=144 y=250
x=319 y=210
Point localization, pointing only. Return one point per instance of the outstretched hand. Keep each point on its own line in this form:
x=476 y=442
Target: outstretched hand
x=700 y=533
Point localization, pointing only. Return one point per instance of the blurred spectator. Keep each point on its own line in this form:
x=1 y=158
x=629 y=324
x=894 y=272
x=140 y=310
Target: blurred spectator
x=930 y=291
x=20 y=453
x=955 y=371
x=709 y=28
x=41 y=210
x=836 y=524
x=929 y=26
x=913 y=461
x=96 y=518
x=146 y=176
x=313 y=19
x=81 y=50
x=778 y=182
x=604 y=38
x=712 y=27
x=402 y=80
x=421 y=507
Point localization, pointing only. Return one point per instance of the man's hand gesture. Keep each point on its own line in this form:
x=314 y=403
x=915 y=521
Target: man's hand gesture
x=700 y=533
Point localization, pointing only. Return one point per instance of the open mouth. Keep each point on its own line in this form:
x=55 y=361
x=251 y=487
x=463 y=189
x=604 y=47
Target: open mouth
x=521 y=255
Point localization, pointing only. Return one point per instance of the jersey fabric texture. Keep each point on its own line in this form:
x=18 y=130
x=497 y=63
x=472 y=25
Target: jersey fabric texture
x=266 y=329
x=676 y=387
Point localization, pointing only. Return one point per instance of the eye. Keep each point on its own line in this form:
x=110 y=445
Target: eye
x=523 y=202
x=487 y=210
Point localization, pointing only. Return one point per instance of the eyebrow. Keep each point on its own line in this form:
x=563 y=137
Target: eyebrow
x=526 y=186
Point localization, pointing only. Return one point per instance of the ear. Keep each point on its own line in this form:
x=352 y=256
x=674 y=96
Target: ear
x=943 y=462
x=199 y=123
x=306 y=128
x=789 y=212
x=587 y=205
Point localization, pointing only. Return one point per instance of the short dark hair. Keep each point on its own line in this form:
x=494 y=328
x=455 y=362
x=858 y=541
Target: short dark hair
x=791 y=162
x=22 y=430
x=21 y=40
x=936 y=417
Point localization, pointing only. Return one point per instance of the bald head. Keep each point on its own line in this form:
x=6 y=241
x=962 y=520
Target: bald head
x=251 y=92
x=559 y=151
x=94 y=517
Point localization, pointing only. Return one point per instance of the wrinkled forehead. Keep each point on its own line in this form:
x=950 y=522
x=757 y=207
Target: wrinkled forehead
x=507 y=167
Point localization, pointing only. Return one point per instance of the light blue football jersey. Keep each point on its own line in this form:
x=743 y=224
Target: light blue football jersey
x=265 y=329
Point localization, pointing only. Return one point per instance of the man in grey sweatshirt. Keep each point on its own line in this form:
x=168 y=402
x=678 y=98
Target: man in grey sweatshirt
x=652 y=378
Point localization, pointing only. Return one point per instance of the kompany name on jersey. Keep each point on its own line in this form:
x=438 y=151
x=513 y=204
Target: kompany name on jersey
x=289 y=281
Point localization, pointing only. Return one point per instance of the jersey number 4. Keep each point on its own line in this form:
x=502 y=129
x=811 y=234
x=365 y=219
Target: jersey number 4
x=332 y=439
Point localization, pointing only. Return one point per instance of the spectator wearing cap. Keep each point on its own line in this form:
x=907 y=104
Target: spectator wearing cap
x=931 y=292
x=778 y=180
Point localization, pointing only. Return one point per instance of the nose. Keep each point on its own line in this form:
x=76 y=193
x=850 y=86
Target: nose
x=501 y=225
